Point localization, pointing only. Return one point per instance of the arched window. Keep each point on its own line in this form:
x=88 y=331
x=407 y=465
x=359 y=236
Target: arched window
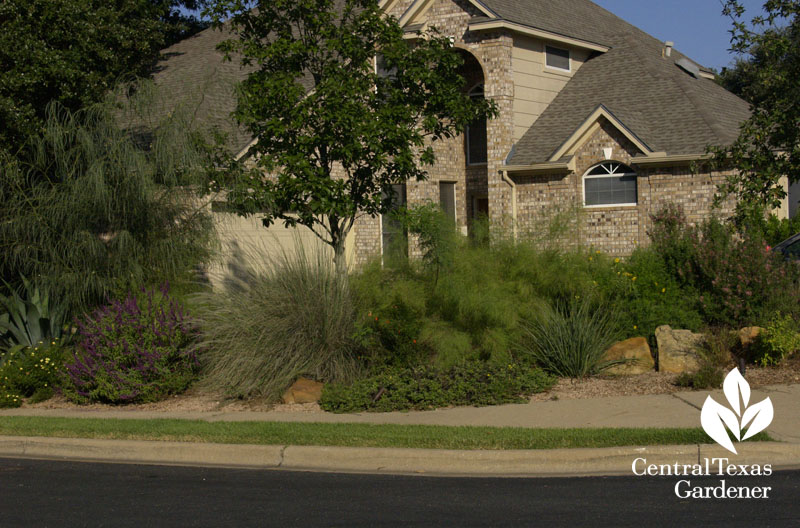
x=476 y=134
x=609 y=183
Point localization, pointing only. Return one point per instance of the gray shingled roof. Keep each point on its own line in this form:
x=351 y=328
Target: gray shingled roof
x=658 y=101
x=664 y=106
x=194 y=72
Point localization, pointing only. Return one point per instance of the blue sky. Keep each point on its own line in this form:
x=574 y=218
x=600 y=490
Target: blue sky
x=697 y=27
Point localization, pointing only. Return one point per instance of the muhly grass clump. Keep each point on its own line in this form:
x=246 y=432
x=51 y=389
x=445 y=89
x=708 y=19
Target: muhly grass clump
x=292 y=315
x=132 y=350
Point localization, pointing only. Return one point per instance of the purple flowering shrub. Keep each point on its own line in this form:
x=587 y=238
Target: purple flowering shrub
x=136 y=350
x=735 y=278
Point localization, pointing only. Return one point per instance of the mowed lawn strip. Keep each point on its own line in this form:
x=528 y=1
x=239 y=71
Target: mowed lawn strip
x=347 y=434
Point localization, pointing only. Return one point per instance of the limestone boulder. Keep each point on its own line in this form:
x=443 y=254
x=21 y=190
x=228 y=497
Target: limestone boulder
x=678 y=350
x=303 y=390
x=748 y=336
x=637 y=351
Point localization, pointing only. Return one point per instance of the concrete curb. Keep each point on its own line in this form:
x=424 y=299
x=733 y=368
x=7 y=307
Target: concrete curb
x=432 y=462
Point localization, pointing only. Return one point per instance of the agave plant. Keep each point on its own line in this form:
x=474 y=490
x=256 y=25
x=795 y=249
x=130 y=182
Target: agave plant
x=31 y=320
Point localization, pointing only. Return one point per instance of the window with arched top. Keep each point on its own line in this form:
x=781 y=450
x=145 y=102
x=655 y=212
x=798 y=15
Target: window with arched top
x=609 y=183
x=475 y=141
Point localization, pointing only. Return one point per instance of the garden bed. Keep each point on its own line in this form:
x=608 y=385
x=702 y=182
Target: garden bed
x=565 y=389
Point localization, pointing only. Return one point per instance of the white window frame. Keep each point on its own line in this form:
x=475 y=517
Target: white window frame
x=611 y=174
x=556 y=68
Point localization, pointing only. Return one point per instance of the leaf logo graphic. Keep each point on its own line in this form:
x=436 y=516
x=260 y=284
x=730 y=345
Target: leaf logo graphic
x=754 y=418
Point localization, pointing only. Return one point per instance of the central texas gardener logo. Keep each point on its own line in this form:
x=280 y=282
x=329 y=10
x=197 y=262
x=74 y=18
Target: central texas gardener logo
x=743 y=421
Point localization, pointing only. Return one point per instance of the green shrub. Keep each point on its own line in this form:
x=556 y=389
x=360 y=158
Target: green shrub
x=471 y=313
x=30 y=372
x=292 y=316
x=675 y=241
x=779 y=340
x=707 y=377
x=738 y=281
x=391 y=336
x=473 y=383
x=436 y=235
x=571 y=339
x=775 y=230
x=136 y=350
x=647 y=296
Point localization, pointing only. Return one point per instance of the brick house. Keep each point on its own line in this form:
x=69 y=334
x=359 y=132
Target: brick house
x=592 y=111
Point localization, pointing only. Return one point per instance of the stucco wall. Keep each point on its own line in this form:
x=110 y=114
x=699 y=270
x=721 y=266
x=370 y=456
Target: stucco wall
x=536 y=85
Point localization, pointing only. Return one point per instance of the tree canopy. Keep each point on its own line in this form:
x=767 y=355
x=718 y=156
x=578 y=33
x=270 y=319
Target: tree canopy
x=74 y=51
x=768 y=146
x=334 y=129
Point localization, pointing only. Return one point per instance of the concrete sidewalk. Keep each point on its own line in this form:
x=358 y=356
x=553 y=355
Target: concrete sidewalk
x=676 y=410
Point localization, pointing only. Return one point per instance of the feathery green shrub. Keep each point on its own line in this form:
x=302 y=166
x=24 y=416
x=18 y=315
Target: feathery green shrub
x=105 y=201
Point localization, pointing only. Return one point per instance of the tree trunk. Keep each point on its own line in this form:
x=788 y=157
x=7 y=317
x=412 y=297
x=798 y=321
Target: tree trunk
x=339 y=257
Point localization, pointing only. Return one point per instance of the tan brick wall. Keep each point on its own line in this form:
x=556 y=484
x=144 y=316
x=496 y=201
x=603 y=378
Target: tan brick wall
x=493 y=52
x=616 y=230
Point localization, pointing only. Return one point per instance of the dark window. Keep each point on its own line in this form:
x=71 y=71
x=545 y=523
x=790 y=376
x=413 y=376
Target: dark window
x=610 y=184
x=395 y=240
x=476 y=134
x=382 y=69
x=447 y=198
x=481 y=207
x=557 y=58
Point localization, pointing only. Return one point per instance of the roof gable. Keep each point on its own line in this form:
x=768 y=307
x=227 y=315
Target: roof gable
x=589 y=127
x=416 y=13
x=650 y=96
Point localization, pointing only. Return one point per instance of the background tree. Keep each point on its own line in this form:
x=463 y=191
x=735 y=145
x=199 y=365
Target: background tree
x=335 y=131
x=74 y=51
x=768 y=146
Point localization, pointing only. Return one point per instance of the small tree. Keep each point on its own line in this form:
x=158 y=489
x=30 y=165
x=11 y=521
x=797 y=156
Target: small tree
x=768 y=146
x=335 y=129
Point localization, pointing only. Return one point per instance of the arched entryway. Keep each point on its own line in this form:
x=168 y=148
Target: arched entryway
x=475 y=142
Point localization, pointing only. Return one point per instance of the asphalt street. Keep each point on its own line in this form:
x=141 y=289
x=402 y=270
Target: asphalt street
x=62 y=494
